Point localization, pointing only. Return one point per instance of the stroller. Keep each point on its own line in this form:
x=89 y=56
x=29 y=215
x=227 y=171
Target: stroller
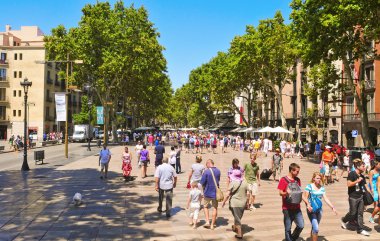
x=127 y=169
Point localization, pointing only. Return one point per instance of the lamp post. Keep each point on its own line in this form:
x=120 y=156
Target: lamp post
x=68 y=89
x=88 y=89
x=25 y=84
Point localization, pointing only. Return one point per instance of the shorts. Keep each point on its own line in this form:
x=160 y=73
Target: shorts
x=253 y=188
x=327 y=170
x=194 y=210
x=143 y=163
x=211 y=201
x=104 y=165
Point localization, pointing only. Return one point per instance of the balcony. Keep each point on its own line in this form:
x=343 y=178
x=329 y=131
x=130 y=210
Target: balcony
x=4 y=62
x=370 y=84
x=4 y=119
x=4 y=81
x=4 y=100
x=356 y=117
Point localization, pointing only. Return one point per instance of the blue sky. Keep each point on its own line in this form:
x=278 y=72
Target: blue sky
x=192 y=31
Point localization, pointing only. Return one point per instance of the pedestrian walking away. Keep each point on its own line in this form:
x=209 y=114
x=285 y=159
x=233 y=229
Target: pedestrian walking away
x=104 y=160
x=194 y=204
x=159 y=150
x=237 y=196
x=144 y=160
x=314 y=193
x=356 y=188
x=290 y=190
x=166 y=180
x=252 y=177
x=178 y=168
x=210 y=182
x=196 y=171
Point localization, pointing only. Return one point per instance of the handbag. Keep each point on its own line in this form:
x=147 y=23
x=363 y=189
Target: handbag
x=367 y=198
x=315 y=203
x=219 y=193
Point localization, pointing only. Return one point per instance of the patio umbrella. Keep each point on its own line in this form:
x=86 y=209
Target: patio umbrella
x=266 y=129
x=280 y=129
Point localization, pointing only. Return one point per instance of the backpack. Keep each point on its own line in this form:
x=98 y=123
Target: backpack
x=295 y=196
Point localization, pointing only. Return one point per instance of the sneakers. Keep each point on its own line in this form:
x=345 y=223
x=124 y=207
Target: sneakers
x=371 y=220
x=365 y=233
x=343 y=224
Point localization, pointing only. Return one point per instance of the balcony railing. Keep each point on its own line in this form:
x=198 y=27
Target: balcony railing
x=4 y=81
x=4 y=62
x=4 y=119
x=4 y=99
x=356 y=117
x=370 y=84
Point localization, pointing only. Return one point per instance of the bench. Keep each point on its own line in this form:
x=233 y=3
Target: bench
x=2 y=148
x=44 y=143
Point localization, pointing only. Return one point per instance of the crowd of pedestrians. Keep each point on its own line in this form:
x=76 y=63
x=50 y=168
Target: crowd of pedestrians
x=243 y=182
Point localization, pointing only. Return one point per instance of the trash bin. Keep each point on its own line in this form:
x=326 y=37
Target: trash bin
x=39 y=156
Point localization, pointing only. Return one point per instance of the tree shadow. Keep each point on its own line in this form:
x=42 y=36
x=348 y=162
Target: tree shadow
x=38 y=205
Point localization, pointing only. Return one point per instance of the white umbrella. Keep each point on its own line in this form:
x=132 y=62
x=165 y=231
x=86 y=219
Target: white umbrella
x=266 y=129
x=250 y=129
x=280 y=129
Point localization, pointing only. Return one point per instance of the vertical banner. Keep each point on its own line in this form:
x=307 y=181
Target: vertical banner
x=99 y=115
x=60 y=106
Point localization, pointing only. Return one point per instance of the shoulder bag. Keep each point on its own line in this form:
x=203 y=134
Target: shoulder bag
x=219 y=193
x=315 y=202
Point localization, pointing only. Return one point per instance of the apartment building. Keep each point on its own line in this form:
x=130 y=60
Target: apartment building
x=295 y=107
x=351 y=116
x=20 y=51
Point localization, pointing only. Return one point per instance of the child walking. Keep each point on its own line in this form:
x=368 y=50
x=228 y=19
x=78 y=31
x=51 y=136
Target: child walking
x=194 y=203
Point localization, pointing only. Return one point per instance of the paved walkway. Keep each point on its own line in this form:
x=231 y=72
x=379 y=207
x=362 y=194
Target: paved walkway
x=37 y=205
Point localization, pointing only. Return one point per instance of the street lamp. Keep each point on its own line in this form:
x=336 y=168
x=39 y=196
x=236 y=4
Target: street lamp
x=25 y=84
x=88 y=89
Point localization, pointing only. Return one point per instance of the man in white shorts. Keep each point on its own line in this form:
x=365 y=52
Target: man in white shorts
x=104 y=160
x=252 y=177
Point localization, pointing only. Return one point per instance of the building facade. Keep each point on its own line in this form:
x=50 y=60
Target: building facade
x=21 y=53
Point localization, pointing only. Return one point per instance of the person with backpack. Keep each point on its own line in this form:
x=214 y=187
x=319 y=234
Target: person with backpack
x=314 y=193
x=104 y=160
x=289 y=188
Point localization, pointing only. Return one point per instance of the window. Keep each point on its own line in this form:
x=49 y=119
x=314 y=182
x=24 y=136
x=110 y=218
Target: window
x=14 y=112
x=370 y=103
x=47 y=110
x=2 y=112
x=19 y=112
x=369 y=74
x=14 y=93
x=350 y=105
x=20 y=74
x=2 y=94
x=14 y=43
x=19 y=93
x=20 y=57
x=15 y=57
x=333 y=121
x=14 y=74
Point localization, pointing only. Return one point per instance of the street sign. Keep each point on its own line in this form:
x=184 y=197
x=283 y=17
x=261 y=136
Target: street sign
x=99 y=115
x=354 y=133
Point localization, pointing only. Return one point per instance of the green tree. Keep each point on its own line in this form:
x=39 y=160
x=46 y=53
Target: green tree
x=340 y=30
x=122 y=59
x=276 y=56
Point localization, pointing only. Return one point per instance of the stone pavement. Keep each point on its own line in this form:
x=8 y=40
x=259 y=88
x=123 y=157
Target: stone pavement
x=38 y=205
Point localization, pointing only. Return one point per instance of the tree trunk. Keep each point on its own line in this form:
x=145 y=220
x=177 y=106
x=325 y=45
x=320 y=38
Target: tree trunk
x=360 y=100
x=278 y=95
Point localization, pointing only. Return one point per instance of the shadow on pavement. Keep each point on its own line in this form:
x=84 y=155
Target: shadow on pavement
x=37 y=205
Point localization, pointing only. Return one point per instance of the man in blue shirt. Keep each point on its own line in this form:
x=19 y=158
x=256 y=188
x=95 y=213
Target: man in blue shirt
x=159 y=150
x=209 y=191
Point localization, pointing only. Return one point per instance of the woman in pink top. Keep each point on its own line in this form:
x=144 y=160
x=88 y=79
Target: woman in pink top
x=150 y=140
x=126 y=165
